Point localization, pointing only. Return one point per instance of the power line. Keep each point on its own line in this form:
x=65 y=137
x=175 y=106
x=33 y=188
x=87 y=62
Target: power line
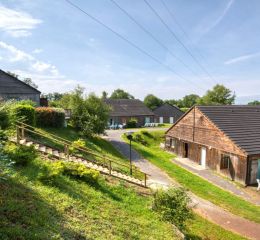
x=128 y=41
x=178 y=40
x=154 y=38
x=180 y=26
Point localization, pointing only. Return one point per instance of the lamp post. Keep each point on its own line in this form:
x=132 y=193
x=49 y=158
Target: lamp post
x=129 y=136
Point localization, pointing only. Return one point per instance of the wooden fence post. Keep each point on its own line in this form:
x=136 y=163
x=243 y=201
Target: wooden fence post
x=22 y=132
x=66 y=150
x=145 y=179
x=18 y=137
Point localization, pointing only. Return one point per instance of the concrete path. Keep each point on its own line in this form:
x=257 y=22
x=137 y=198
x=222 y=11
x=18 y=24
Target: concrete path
x=159 y=178
x=248 y=194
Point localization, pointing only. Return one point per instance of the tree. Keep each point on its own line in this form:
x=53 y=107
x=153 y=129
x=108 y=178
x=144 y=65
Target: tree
x=219 y=95
x=29 y=82
x=121 y=94
x=89 y=114
x=189 y=100
x=104 y=95
x=152 y=101
x=13 y=74
x=55 y=96
x=256 y=102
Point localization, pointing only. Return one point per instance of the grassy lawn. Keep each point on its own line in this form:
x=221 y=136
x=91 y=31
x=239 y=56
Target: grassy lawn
x=72 y=209
x=194 y=183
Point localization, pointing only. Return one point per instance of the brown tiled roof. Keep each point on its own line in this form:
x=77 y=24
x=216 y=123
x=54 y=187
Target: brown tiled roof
x=241 y=123
x=128 y=107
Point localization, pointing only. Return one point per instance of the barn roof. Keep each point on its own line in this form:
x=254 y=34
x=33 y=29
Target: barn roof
x=167 y=110
x=12 y=85
x=128 y=107
x=241 y=123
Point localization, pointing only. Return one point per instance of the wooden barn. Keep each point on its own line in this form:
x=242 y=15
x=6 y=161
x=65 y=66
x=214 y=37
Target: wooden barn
x=124 y=109
x=222 y=138
x=12 y=88
x=167 y=113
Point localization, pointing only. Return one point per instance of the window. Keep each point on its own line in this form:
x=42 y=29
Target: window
x=225 y=161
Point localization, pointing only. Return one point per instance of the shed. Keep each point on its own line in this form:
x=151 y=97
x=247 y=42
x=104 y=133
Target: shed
x=13 y=88
x=222 y=138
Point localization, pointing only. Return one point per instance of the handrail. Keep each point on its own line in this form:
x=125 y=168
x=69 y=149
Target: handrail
x=62 y=140
x=67 y=142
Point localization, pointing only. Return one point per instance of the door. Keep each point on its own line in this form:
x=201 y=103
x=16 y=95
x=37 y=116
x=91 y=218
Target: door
x=161 y=119
x=186 y=150
x=253 y=172
x=147 y=120
x=203 y=157
x=171 y=120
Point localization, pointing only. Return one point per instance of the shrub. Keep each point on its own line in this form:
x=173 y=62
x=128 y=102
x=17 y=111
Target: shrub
x=3 y=136
x=50 y=117
x=21 y=155
x=139 y=138
x=24 y=113
x=147 y=134
x=50 y=172
x=131 y=123
x=80 y=171
x=76 y=144
x=173 y=205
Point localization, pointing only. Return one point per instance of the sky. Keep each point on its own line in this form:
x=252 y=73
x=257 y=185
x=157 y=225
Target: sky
x=181 y=47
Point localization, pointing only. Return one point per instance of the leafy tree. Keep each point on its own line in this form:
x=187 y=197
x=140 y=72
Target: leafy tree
x=29 y=82
x=256 y=102
x=121 y=94
x=104 y=95
x=55 y=96
x=89 y=114
x=189 y=100
x=13 y=74
x=219 y=95
x=152 y=101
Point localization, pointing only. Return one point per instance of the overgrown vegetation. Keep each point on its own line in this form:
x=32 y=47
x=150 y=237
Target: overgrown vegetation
x=192 y=182
x=173 y=205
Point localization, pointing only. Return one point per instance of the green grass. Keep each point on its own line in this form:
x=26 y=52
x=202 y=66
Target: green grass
x=194 y=183
x=71 y=209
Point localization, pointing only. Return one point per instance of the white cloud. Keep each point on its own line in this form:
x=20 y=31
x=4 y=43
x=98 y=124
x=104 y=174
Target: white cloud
x=15 y=54
x=242 y=58
x=221 y=17
x=37 y=51
x=41 y=66
x=17 y=23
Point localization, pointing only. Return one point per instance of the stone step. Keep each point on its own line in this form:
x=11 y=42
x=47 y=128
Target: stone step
x=49 y=151
x=42 y=148
x=37 y=146
x=28 y=144
x=22 y=141
x=56 y=153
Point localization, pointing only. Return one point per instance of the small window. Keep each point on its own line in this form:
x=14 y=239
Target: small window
x=225 y=160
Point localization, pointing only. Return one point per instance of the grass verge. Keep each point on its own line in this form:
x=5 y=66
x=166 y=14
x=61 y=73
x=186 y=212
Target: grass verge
x=202 y=188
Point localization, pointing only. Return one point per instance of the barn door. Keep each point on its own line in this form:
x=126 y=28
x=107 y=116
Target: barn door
x=171 y=120
x=203 y=157
x=161 y=119
x=253 y=171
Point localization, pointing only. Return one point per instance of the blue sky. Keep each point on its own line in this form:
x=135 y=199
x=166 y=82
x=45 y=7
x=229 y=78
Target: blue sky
x=59 y=47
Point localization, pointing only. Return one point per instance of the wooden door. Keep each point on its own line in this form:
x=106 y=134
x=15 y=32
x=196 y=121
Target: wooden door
x=253 y=171
x=161 y=119
x=171 y=120
x=203 y=157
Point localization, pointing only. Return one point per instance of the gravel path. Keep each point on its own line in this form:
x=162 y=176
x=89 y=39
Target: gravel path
x=159 y=179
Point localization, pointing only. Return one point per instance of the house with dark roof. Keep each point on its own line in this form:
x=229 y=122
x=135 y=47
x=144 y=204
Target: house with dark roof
x=13 y=88
x=123 y=110
x=167 y=113
x=222 y=138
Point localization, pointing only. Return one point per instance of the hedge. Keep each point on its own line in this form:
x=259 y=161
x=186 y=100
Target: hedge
x=4 y=119
x=24 y=113
x=50 y=117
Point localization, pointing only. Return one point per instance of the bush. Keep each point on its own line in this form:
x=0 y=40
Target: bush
x=50 y=172
x=173 y=205
x=76 y=144
x=21 y=155
x=24 y=113
x=132 y=123
x=50 y=117
x=80 y=171
x=139 y=138
x=147 y=134
x=3 y=136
